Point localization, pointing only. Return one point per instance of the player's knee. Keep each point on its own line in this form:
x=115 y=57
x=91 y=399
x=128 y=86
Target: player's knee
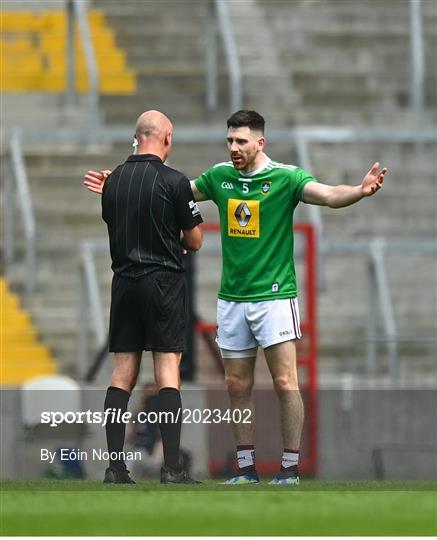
x=238 y=385
x=285 y=382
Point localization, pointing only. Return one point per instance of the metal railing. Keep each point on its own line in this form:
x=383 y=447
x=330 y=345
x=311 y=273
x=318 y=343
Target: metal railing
x=417 y=63
x=379 y=293
x=17 y=190
x=301 y=137
x=379 y=297
x=77 y=14
x=90 y=302
x=219 y=21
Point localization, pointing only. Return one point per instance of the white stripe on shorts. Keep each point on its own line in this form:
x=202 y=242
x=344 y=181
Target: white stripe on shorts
x=295 y=316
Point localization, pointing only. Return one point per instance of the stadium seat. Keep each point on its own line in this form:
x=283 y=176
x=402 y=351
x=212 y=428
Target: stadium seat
x=34 y=54
x=22 y=354
x=41 y=394
x=51 y=394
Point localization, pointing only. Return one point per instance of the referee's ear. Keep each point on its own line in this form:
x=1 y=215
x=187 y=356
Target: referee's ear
x=168 y=139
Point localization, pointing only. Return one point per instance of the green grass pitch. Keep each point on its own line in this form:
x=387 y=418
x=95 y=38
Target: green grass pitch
x=65 y=508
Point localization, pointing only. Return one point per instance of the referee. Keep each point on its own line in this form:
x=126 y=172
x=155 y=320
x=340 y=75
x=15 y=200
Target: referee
x=151 y=216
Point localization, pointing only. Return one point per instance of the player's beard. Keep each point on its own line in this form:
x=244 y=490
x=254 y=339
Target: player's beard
x=243 y=162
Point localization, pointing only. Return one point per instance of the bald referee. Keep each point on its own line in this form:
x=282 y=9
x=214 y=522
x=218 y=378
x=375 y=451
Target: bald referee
x=151 y=216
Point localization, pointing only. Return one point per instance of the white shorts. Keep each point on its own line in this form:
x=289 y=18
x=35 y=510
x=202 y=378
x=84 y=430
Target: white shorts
x=247 y=325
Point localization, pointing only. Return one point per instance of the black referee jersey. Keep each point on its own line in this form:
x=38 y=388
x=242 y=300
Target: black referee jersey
x=145 y=205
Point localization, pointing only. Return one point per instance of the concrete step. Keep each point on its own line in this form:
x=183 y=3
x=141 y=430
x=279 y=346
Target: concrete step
x=190 y=111
x=341 y=24
x=344 y=36
x=30 y=5
x=135 y=10
x=66 y=169
x=30 y=110
x=366 y=116
x=148 y=33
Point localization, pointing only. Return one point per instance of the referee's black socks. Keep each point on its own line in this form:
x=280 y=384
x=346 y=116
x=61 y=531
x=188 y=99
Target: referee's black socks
x=116 y=398
x=169 y=400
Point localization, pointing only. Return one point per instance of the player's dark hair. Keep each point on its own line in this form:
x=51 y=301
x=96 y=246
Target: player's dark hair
x=245 y=118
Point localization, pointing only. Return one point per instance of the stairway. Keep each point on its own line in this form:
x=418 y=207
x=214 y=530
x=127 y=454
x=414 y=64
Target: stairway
x=23 y=355
x=170 y=78
x=166 y=46
x=33 y=54
x=67 y=214
x=348 y=63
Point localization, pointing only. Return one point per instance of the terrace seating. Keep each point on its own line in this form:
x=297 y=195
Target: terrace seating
x=34 y=54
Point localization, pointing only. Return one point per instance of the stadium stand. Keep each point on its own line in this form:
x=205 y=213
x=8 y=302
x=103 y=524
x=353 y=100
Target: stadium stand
x=166 y=48
x=34 y=60
x=304 y=62
x=349 y=62
x=300 y=40
x=22 y=354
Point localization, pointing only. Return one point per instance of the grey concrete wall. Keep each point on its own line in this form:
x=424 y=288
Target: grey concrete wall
x=399 y=424
x=362 y=434
x=21 y=447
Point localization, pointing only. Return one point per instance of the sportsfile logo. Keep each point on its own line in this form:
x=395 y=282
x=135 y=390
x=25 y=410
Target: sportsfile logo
x=243 y=218
x=115 y=416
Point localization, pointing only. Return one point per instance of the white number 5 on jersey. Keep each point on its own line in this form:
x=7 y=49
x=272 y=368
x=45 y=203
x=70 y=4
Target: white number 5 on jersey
x=245 y=187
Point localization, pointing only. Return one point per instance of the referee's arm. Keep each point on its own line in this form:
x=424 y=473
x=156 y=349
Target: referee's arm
x=192 y=238
x=187 y=215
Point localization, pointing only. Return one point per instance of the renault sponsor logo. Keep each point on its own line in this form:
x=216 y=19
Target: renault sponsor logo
x=243 y=218
x=242 y=214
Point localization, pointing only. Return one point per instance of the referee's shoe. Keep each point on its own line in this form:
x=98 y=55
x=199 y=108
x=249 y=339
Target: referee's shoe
x=170 y=476
x=115 y=476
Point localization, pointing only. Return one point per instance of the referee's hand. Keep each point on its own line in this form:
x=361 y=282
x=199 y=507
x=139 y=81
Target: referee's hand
x=94 y=181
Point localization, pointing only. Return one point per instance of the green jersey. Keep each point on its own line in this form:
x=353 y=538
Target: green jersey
x=256 y=224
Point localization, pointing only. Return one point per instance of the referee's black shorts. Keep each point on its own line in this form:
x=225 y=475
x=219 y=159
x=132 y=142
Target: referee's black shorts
x=149 y=313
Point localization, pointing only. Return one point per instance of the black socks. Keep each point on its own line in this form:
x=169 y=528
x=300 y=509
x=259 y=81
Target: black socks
x=116 y=398
x=169 y=400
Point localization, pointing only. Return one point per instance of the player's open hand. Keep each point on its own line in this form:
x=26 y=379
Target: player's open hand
x=373 y=180
x=94 y=181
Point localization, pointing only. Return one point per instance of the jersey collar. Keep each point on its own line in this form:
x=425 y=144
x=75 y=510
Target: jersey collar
x=257 y=171
x=144 y=157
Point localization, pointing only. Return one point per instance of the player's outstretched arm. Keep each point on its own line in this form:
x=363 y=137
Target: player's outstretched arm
x=343 y=195
x=94 y=181
x=198 y=195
